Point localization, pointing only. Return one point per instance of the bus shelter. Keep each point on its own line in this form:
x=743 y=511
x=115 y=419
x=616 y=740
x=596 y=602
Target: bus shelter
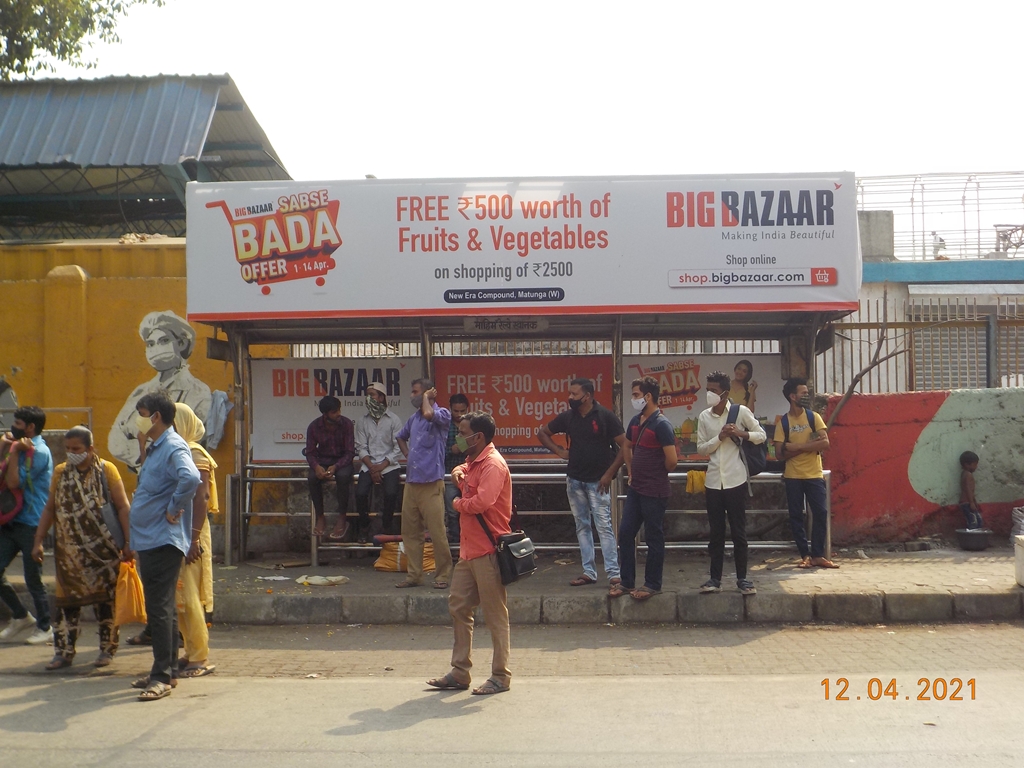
x=506 y=289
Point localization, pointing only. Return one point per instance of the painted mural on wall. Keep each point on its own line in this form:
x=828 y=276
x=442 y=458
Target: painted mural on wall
x=169 y=341
x=895 y=462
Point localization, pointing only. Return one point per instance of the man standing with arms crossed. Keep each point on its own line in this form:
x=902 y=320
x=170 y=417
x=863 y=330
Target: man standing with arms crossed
x=485 y=512
x=423 y=440
x=726 y=484
x=800 y=444
x=596 y=438
x=163 y=532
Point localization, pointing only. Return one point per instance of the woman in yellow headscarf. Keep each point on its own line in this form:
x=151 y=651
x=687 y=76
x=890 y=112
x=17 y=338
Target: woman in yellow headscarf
x=195 y=584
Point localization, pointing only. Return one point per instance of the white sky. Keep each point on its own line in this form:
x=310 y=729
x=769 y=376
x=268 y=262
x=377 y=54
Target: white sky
x=434 y=89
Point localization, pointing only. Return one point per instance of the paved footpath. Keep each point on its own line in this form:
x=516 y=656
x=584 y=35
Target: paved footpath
x=931 y=586
x=593 y=696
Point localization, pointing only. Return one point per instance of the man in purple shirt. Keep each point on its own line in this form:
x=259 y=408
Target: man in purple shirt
x=330 y=450
x=423 y=440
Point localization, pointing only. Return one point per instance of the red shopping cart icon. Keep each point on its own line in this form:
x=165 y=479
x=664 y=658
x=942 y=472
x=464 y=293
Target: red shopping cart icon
x=824 y=276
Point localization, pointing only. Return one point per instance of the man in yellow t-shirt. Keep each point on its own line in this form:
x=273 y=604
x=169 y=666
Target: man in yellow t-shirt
x=801 y=449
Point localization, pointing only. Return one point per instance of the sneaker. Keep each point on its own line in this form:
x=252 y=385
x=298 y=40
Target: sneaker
x=746 y=587
x=15 y=627
x=709 y=586
x=40 y=636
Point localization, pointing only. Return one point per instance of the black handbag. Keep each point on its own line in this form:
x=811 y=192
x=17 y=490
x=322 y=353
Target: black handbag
x=515 y=554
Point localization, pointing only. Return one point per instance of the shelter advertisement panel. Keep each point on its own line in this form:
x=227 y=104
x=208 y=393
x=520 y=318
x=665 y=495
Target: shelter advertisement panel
x=285 y=394
x=755 y=379
x=521 y=393
x=522 y=246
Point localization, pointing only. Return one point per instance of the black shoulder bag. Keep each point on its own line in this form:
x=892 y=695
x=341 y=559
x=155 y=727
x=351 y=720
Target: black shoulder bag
x=515 y=553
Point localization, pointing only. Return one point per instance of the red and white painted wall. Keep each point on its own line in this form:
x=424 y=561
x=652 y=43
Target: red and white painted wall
x=895 y=462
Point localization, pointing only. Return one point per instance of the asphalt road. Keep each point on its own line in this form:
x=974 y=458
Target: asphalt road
x=592 y=696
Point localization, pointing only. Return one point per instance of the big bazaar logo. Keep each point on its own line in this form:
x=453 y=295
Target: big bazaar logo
x=293 y=242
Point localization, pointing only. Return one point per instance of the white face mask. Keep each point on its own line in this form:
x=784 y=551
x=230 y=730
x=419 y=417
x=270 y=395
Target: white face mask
x=639 y=405
x=74 y=459
x=713 y=399
x=143 y=424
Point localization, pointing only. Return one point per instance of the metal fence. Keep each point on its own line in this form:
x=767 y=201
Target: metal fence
x=927 y=344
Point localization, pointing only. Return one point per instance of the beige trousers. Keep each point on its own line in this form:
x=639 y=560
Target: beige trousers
x=192 y=583
x=478 y=582
x=423 y=509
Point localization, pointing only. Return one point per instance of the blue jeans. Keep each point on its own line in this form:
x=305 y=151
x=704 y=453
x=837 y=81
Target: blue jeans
x=593 y=509
x=648 y=511
x=15 y=537
x=814 y=491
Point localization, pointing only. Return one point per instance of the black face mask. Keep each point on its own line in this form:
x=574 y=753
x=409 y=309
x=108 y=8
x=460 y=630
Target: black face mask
x=575 y=404
x=804 y=402
x=17 y=433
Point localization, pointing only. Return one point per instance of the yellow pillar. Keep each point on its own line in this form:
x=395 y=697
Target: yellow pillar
x=65 y=337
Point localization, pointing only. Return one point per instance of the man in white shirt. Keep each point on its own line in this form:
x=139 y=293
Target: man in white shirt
x=378 y=457
x=726 y=484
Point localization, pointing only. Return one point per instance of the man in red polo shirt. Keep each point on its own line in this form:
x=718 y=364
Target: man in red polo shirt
x=486 y=501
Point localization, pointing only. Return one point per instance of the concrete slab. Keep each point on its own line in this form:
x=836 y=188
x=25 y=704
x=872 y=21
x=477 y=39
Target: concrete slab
x=576 y=609
x=660 y=609
x=718 y=608
x=524 y=609
x=245 y=609
x=306 y=609
x=850 y=607
x=429 y=608
x=987 y=606
x=780 y=607
x=375 y=609
x=918 y=606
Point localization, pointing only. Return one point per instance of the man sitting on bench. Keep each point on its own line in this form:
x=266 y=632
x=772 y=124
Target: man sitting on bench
x=330 y=449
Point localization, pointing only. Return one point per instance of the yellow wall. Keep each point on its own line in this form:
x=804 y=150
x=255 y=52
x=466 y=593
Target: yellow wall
x=71 y=336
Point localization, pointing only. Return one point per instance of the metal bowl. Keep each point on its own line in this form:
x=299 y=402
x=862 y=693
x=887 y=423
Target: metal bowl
x=974 y=540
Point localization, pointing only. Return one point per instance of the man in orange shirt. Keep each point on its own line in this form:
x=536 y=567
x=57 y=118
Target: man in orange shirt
x=486 y=505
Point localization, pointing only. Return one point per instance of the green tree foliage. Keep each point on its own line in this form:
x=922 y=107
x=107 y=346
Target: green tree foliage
x=37 y=33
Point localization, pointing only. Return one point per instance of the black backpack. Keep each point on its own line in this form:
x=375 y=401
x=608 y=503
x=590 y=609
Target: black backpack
x=754 y=455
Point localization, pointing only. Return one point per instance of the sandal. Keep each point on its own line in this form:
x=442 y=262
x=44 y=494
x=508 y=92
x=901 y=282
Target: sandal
x=155 y=691
x=143 y=638
x=643 y=593
x=58 y=662
x=320 y=527
x=337 y=535
x=203 y=671
x=581 y=581
x=142 y=683
x=822 y=562
x=103 y=660
x=440 y=585
x=447 y=683
x=406 y=584
x=618 y=590
x=491 y=686
x=805 y=563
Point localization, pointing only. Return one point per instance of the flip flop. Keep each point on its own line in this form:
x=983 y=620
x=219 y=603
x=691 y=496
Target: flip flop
x=191 y=672
x=339 y=535
x=440 y=585
x=142 y=683
x=581 y=581
x=805 y=563
x=642 y=593
x=155 y=691
x=141 y=639
x=406 y=584
x=617 y=590
x=491 y=686
x=822 y=562
x=447 y=683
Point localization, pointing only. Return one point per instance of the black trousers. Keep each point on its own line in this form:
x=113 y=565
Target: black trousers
x=731 y=502
x=389 y=484
x=158 y=570
x=316 y=491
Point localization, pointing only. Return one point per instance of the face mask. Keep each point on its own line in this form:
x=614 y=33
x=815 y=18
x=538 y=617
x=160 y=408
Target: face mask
x=639 y=405
x=714 y=399
x=375 y=408
x=417 y=401
x=74 y=459
x=17 y=433
x=575 y=404
x=804 y=402
x=143 y=424
x=463 y=442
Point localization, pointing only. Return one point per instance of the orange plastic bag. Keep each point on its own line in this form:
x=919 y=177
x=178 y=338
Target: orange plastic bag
x=129 y=601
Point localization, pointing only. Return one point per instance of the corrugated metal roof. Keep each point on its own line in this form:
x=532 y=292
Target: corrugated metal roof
x=133 y=122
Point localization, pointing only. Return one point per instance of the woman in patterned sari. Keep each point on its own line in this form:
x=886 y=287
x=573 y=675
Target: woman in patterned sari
x=87 y=559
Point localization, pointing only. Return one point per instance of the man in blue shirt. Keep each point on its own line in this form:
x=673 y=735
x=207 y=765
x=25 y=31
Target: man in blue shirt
x=162 y=532
x=29 y=467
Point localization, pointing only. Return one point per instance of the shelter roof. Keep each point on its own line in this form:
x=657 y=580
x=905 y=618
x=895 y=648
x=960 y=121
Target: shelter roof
x=80 y=155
